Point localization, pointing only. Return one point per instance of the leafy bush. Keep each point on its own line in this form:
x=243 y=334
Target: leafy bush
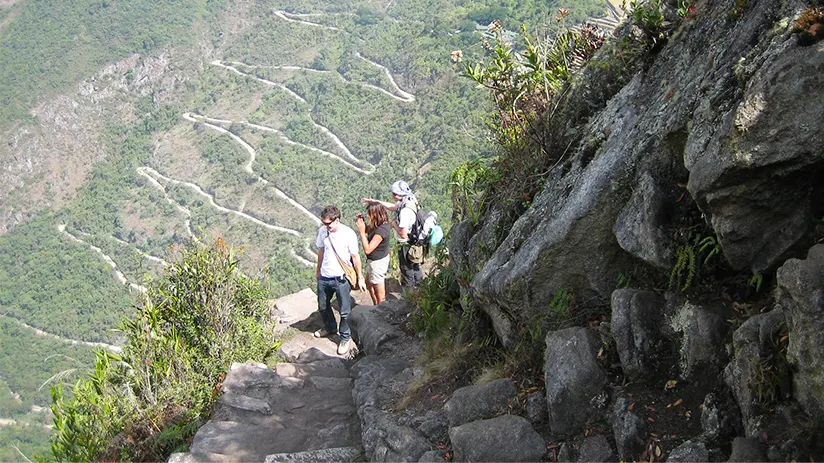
x=198 y=318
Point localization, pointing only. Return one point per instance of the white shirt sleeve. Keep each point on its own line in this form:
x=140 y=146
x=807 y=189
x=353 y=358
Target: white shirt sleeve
x=321 y=236
x=407 y=219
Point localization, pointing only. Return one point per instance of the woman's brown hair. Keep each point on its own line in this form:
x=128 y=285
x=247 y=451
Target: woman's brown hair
x=377 y=216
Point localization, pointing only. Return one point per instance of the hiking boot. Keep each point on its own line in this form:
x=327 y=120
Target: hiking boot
x=321 y=333
x=343 y=347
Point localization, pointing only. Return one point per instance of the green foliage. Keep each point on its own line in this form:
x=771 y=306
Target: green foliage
x=683 y=272
x=437 y=302
x=771 y=377
x=49 y=45
x=524 y=83
x=23 y=443
x=738 y=10
x=686 y=9
x=468 y=180
x=755 y=281
x=647 y=16
x=60 y=286
x=198 y=318
x=526 y=86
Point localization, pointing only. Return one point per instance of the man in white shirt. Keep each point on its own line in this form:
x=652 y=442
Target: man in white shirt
x=336 y=242
x=407 y=206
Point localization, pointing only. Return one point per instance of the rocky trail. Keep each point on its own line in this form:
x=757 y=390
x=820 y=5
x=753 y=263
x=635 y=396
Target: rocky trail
x=317 y=406
x=301 y=409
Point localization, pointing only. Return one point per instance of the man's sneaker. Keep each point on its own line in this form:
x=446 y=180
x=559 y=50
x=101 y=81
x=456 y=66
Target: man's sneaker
x=343 y=347
x=321 y=333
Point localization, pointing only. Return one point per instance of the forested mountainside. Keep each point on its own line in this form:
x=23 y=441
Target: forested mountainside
x=131 y=128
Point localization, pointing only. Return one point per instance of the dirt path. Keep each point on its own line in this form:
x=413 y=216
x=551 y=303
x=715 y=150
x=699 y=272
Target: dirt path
x=145 y=255
x=267 y=82
x=248 y=168
x=118 y=274
x=210 y=121
x=287 y=17
x=404 y=98
x=39 y=332
x=217 y=206
x=182 y=209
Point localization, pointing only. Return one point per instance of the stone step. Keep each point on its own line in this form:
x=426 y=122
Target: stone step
x=332 y=367
x=320 y=456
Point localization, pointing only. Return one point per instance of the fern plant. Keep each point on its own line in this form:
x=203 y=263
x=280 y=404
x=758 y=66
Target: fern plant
x=682 y=274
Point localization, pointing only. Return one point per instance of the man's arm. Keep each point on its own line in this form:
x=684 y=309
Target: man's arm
x=386 y=204
x=357 y=262
x=402 y=232
x=320 y=261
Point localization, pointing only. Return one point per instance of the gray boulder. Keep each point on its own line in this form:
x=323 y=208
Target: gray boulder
x=373 y=332
x=505 y=438
x=752 y=170
x=536 y=410
x=385 y=440
x=720 y=418
x=801 y=293
x=703 y=335
x=433 y=456
x=573 y=378
x=637 y=324
x=751 y=343
x=596 y=449
x=640 y=228
x=690 y=451
x=747 y=449
x=628 y=430
x=318 y=456
x=479 y=401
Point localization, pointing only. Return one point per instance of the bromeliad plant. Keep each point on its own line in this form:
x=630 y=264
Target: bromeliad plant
x=525 y=82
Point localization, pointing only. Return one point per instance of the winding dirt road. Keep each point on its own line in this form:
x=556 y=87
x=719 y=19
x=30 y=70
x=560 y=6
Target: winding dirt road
x=39 y=332
x=287 y=17
x=118 y=274
x=210 y=121
x=248 y=168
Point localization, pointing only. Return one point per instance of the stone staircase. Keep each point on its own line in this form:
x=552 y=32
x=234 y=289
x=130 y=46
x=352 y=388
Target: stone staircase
x=300 y=410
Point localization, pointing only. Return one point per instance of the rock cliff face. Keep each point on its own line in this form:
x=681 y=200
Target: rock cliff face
x=731 y=108
x=724 y=120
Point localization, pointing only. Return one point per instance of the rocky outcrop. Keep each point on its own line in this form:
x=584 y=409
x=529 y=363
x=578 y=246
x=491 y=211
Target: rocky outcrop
x=741 y=131
x=752 y=343
x=505 y=438
x=801 y=289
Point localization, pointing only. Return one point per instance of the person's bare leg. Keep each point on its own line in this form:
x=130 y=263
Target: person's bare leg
x=372 y=293
x=380 y=292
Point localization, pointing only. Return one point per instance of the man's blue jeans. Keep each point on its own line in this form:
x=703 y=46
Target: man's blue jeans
x=327 y=287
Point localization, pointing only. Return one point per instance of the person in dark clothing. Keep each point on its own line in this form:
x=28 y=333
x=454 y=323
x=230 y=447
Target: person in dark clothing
x=406 y=206
x=374 y=238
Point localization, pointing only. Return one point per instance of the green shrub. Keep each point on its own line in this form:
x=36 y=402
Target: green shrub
x=198 y=318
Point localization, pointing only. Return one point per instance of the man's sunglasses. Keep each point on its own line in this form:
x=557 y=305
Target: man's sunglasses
x=328 y=223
